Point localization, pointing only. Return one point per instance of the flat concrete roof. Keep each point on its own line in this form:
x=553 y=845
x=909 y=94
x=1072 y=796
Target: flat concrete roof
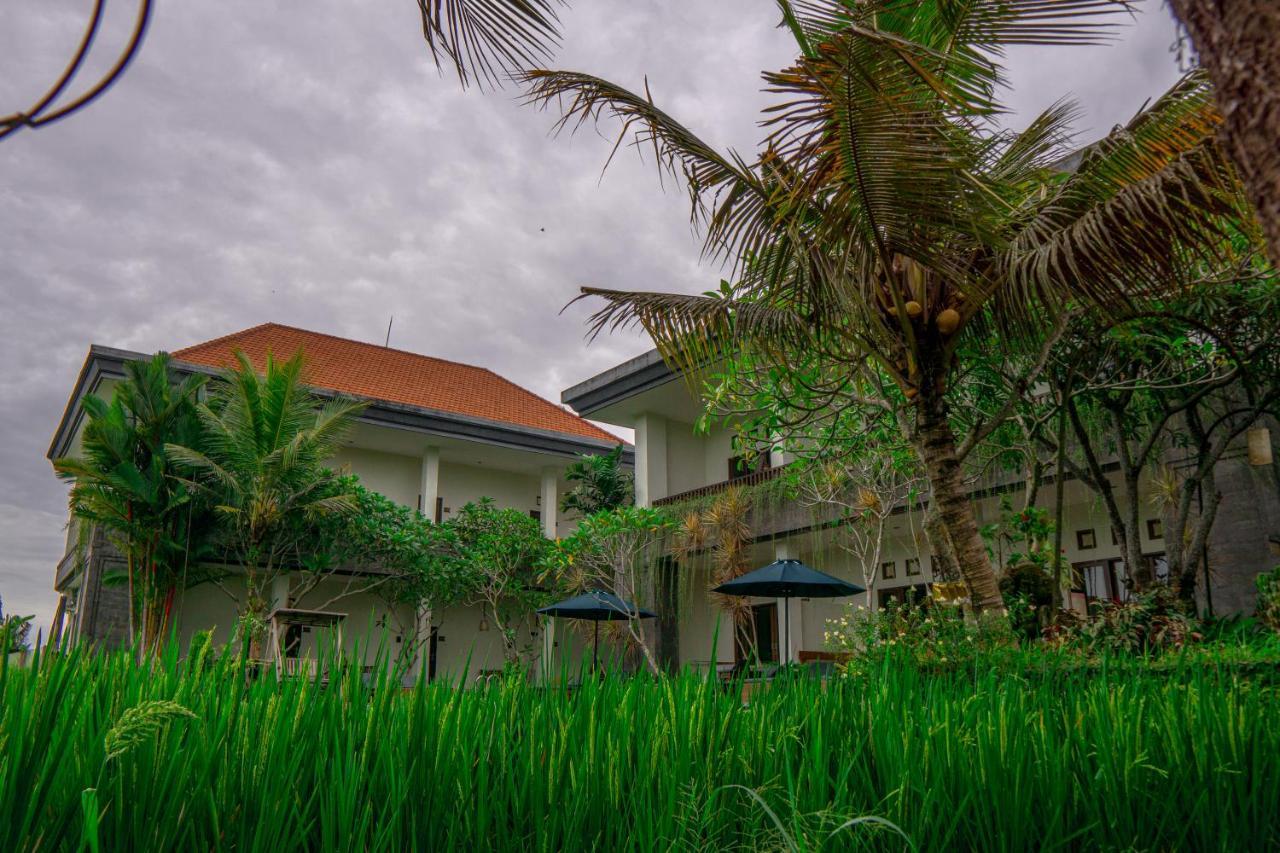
x=632 y=377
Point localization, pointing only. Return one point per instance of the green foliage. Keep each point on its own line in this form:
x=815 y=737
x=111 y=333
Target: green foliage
x=917 y=633
x=607 y=543
x=1020 y=536
x=1150 y=622
x=15 y=632
x=1027 y=588
x=262 y=461
x=420 y=559
x=1085 y=760
x=1268 y=606
x=616 y=550
x=500 y=552
x=127 y=483
x=599 y=483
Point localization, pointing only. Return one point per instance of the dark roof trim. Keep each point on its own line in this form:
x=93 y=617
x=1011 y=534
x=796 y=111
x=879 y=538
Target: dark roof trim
x=628 y=379
x=101 y=363
x=104 y=362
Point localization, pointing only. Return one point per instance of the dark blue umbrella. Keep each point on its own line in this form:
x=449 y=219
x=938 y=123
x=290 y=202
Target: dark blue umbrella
x=597 y=606
x=786 y=579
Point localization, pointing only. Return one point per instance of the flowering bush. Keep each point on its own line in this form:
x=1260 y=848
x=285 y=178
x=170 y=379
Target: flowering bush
x=927 y=635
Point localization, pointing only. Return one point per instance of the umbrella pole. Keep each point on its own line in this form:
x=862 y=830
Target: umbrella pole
x=595 y=654
x=786 y=621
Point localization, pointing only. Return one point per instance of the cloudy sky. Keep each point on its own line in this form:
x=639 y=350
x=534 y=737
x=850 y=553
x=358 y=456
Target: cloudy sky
x=260 y=163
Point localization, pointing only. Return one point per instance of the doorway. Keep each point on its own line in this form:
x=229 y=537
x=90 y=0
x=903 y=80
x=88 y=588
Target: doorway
x=764 y=619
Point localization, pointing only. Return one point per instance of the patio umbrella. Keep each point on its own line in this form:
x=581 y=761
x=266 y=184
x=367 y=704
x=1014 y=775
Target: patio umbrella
x=785 y=579
x=597 y=606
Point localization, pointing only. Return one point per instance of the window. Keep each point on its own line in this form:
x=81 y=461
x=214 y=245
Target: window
x=913 y=566
x=1086 y=540
x=889 y=570
x=535 y=514
x=1155 y=528
x=901 y=595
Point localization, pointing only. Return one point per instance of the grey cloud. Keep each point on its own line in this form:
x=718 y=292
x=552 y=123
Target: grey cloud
x=260 y=163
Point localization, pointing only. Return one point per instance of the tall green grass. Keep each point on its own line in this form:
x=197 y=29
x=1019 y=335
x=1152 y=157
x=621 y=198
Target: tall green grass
x=98 y=753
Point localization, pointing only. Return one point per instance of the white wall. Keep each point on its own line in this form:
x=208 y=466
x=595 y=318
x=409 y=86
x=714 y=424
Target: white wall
x=398 y=477
x=685 y=460
x=461 y=484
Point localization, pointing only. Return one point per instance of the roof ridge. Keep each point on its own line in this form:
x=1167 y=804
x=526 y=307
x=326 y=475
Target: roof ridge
x=221 y=338
x=379 y=347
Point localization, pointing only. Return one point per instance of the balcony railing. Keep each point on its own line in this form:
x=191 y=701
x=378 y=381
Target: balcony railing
x=752 y=479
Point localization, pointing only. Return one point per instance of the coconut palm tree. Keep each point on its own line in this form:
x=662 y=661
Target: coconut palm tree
x=263 y=461
x=1235 y=43
x=886 y=218
x=125 y=483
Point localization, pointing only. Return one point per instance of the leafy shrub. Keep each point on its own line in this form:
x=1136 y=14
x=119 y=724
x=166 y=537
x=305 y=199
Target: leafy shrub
x=1268 y=606
x=1028 y=592
x=1149 y=622
x=926 y=635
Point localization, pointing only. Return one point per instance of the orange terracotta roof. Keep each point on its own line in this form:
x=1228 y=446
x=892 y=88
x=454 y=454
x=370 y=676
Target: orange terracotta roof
x=380 y=373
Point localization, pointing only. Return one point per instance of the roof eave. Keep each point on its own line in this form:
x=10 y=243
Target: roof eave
x=100 y=363
x=106 y=362
x=618 y=383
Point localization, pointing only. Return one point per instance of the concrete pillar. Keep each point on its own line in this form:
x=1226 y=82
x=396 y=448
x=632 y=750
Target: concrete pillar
x=777 y=456
x=280 y=591
x=550 y=500
x=430 y=486
x=790 y=645
x=651 y=459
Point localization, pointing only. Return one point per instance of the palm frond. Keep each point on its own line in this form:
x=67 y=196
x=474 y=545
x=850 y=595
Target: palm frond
x=690 y=331
x=487 y=41
x=1147 y=209
x=734 y=205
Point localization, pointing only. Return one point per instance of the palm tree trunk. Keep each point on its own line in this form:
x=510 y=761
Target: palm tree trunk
x=1235 y=41
x=936 y=444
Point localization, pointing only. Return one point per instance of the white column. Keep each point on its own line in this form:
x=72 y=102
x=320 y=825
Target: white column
x=792 y=620
x=550 y=501
x=430 y=486
x=777 y=456
x=651 y=459
x=280 y=591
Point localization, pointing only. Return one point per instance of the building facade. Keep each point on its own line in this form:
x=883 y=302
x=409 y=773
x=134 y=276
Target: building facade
x=676 y=464
x=435 y=435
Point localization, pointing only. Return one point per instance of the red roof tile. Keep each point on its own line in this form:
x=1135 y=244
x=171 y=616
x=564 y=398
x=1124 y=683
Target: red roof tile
x=396 y=376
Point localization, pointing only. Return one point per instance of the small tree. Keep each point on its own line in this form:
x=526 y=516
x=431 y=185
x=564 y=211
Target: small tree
x=723 y=529
x=1166 y=394
x=126 y=483
x=15 y=632
x=500 y=550
x=599 y=483
x=616 y=550
x=406 y=560
x=263 y=462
